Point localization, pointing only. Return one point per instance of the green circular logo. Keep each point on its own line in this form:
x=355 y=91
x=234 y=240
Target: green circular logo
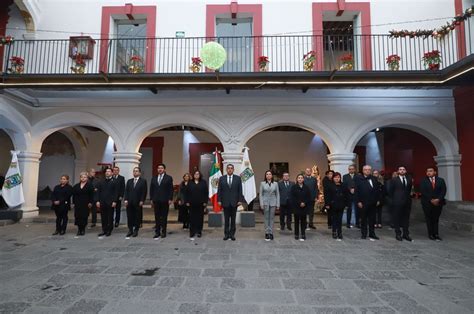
x=213 y=55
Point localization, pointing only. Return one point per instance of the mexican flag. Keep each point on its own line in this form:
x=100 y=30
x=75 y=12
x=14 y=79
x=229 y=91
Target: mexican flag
x=12 y=191
x=249 y=190
x=214 y=176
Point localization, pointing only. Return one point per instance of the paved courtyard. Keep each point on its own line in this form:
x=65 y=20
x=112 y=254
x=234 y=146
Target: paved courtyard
x=40 y=273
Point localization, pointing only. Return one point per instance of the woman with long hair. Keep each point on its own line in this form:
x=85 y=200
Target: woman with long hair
x=337 y=198
x=183 y=209
x=197 y=198
x=270 y=201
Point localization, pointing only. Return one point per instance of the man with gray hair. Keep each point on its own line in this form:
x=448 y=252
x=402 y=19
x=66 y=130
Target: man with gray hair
x=367 y=196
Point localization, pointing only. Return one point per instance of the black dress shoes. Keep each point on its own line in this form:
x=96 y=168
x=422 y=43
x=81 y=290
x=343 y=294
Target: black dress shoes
x=398 y=237
x=129 y=234
x=232 y=238
x=101 y=234
x=432 y=237
x=374 y=237
x=62 y=232
x=407 y=237
x=108 y=234
x=437 y=238
x=199 y=234
x=116 y=225
x=363 y=237
x=135 y=233
x=56 y=232
x=289 y=228
x=226 y=238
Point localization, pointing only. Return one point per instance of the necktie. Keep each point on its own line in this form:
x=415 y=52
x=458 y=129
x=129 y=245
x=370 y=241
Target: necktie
x=230 y=181
x=135 y=182
x=371 y=184
x=433 y=182
x=160 y=177
x=404 y=182
x=286 y=184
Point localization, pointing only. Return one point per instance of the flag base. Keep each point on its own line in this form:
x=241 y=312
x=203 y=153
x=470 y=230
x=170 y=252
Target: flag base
x=11 y=214
x=247 y=219
x=215 y=219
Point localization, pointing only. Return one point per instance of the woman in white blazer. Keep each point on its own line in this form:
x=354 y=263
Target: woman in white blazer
x=269 y=201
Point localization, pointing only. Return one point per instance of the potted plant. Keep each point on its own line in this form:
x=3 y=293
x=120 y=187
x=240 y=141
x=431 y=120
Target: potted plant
x=79 y=64
x=347 y=62
x=432 y=60
x=308 y=60
x=7 y=40
x=263 y=62
x=17 y=65
x=135 y=64
x=393 y=62
x=196 y=64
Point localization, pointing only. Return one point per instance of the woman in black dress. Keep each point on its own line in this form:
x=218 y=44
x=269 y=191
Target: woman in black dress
x=61 y=203
x=183 y=209
x=337 y=198
x=300 y=198
x=82 y=198
x=327 y=183
x=197 y=198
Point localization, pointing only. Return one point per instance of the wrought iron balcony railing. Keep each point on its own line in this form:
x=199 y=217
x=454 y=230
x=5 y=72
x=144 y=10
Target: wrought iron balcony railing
x=284 y=53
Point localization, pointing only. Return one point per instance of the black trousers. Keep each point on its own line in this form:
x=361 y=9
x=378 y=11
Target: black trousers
x=133 y=211
x=378 y=214
x=118 y=210
x=161 y=210
x=229 y=221
x=107 y=217
x=310 y=212
x=196 y=219
x=61 y=218
x=183 y=214
x=336 y=220
x=352 y=207
x=367 y=219
x=81 y=214
x=285 y=214
x=401 y=215
x=94 y=213
x=329 y=213
x=300 y=223
x=140 y=216
x=432 y=214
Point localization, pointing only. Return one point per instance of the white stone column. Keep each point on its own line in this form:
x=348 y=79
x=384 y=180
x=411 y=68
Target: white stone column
x=233 y=157
x=449 y=168
x=29 y=167
x=339 y=162
x=126 y=161
x=80 y=165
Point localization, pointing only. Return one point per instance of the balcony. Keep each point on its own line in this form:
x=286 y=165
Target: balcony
x=165 y=62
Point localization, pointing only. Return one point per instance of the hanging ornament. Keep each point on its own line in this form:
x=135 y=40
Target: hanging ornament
x=213 y=55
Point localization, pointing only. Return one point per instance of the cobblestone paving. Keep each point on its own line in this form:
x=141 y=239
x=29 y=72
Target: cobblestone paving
x=40 y=273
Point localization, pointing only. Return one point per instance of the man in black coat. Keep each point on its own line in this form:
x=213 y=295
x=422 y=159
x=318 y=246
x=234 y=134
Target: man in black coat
x=284 y=187
x=94 y=181
x=433 y=193
x=106 y=201
x=349 y=181
x=367 y=196
x=312 y=183
x=134 y=198
x=161 y=195
x=120 y=180
x=229 y=196
x=400 y=193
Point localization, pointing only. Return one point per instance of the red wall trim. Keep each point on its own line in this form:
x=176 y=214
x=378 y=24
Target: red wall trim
x=363 y=8
x=461 y=30
x=156 y=143
x=197 y=149
x=4 y=17
x=212 y=10
x=149 y=12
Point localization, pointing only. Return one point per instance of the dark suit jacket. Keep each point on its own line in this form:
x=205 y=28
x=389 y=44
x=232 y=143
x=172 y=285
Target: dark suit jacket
x=137 y=194
x=285 y=192
x=120 y=185
x=336 y=196
x=428 y=193
x=300 y=195
x=400 y=195
x=350 y=183
x=162 y=192
x=230 y=196
x=62 y=194
x=107 y=192
x=365 y=193
x=312 y=184
x=197 y=194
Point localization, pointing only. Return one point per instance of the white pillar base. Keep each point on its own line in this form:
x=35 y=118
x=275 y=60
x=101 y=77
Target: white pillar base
x=449 y=168
x=29 y=168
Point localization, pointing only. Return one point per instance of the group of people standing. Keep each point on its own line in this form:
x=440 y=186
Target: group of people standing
x=359 y=194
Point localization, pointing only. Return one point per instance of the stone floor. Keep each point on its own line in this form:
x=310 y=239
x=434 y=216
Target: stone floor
x=40 y=273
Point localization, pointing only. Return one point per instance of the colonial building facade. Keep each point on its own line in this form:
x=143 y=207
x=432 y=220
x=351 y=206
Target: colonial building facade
x=343 y=109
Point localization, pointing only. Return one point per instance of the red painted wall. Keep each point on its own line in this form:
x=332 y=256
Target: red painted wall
x=405 y=147
x=465 y=126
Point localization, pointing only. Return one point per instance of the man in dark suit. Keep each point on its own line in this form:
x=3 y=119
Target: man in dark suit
x=161 y=195
x=349 y=180
x=120 y=181
x=229 y=196
x=312 y=183
x=284 y=187
x=94 y=181
x=135 y=195
x=433 y=193
x=106 y=201
x=400 y=193
x=367 y=196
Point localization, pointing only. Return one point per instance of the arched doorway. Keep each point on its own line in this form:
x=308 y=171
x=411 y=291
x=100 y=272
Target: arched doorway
x=6 y=145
